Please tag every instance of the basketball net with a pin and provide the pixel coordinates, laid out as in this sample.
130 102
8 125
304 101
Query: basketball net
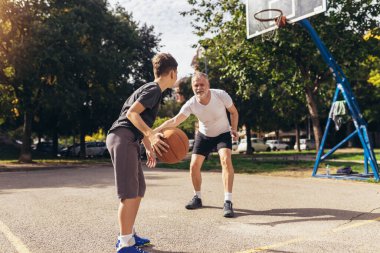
267 18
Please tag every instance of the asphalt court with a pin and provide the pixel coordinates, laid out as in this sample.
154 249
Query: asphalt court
74 210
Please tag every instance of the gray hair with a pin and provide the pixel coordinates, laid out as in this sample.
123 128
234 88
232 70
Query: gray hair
198 75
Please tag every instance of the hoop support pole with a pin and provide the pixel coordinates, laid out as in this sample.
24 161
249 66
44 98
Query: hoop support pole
344 87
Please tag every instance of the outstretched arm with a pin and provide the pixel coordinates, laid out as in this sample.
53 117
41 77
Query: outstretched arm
173 122
234 116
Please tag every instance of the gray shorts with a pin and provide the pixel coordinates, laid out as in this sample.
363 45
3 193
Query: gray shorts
124 149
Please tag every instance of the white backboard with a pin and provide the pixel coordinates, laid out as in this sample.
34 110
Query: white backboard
293 10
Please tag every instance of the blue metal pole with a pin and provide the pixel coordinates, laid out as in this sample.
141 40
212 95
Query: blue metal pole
339 145
320 151
345 88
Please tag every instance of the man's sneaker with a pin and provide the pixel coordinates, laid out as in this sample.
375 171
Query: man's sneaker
141 241
228 212
194 203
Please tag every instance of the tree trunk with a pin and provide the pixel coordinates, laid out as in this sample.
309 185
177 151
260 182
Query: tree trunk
277 133
313 110
248 136
350 143
82 143
84 121
55 141
26 154
298 137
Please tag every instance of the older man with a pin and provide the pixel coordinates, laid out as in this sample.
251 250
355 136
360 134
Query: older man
215 131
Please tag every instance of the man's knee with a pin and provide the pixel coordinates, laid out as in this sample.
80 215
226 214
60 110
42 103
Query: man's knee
226 163
195 168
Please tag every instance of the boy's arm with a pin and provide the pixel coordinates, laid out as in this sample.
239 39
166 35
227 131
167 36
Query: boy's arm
133 114
173 122
234 116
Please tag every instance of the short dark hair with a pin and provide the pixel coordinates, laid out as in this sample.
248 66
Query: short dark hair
163 63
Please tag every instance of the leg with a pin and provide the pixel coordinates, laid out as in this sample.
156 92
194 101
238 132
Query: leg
227 169
130 184
128 209
224 149
195 170
202 147
196 178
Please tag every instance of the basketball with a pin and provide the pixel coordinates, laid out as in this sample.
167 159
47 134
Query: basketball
178 145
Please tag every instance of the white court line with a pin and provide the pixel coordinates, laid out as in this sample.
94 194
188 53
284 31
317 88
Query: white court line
14 240
301 239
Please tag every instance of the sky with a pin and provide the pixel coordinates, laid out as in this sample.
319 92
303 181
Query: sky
176 31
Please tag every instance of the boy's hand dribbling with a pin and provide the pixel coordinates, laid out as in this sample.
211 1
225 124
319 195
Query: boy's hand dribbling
157 143
151 158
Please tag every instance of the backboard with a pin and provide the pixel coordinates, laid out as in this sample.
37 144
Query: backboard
293 10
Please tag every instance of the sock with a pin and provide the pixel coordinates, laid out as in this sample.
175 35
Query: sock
228 196
198 194
127 240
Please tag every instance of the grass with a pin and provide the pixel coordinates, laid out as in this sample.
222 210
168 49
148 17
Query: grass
252 165
282 163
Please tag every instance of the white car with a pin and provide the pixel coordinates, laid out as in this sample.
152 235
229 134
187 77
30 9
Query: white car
305 144
277 145
257 145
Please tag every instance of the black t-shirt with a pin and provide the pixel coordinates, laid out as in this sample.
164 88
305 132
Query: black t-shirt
149 95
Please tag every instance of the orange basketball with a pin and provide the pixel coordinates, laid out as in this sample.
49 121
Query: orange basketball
178 145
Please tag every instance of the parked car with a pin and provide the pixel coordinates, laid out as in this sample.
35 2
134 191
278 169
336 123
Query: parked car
44 147
93 149
68 151
191 144
305 144
257 145
277 145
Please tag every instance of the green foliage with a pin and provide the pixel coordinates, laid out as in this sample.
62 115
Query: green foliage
374 74
188 126
71 64
159 121
170 108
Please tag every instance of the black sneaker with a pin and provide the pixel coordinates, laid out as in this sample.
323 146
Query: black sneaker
228 212
194 203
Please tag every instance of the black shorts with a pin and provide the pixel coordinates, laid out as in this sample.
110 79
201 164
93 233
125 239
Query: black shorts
203 144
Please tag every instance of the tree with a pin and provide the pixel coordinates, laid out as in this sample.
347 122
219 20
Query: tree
23 30
71 63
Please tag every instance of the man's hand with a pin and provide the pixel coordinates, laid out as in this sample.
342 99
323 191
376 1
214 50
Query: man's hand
157 144
235 135
151 158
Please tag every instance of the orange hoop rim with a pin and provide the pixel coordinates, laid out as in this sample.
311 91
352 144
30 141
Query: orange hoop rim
277 17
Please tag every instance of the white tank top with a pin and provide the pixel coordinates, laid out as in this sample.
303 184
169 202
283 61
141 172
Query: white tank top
212 117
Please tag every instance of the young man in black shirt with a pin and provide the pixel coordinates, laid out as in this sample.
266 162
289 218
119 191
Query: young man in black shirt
123 142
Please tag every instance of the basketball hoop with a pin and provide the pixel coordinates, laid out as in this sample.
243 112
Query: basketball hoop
268 18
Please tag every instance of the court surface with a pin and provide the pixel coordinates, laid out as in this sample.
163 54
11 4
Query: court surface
74 210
